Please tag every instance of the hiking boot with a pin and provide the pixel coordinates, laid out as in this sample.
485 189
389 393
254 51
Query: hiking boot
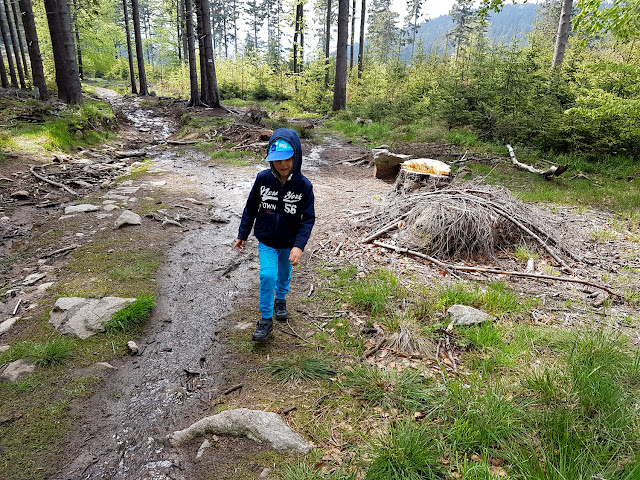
263 327
281 310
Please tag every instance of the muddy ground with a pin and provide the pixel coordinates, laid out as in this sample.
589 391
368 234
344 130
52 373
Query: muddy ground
204 290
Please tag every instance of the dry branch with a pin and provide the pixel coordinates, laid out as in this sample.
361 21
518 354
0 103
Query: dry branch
554 170
45 179
493 271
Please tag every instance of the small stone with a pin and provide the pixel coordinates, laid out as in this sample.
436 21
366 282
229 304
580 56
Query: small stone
33 279
110 208
82 208
20 195
133 347
206 444
265 472
4 348
7 324
106 365
127 218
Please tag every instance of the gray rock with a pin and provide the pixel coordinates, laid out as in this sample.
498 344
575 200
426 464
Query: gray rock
110 207
4 348
133 347
7 324
17 370
84 317
464 315
127 218
254 424
105 365
206 444
82 208
20 195
33 279
265 472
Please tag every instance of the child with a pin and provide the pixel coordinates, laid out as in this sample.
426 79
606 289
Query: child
281 204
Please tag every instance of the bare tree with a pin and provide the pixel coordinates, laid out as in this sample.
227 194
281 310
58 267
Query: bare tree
4 30
353 34
14 42
142 76
340 83
298 34
76 32
191 43
127 31
4 80
213 97
31 36
327 40
361 44
562 38
64 51
18 23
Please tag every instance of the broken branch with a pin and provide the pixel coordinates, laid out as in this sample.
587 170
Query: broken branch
45 179
554 170
495 271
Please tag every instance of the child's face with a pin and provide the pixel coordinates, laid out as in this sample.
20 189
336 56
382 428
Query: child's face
283 167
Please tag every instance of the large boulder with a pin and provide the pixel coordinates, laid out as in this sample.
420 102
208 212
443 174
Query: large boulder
255 424
84 317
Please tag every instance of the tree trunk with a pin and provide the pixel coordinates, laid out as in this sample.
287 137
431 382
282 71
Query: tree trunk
353 34
326 45
64 51
213 95
4 80
7 47
77 34
562 37
135 11
31 36
185 34
18 22
14 43
191 43
361 44
179 30
235 30
132 73
296 34
340 83
201 55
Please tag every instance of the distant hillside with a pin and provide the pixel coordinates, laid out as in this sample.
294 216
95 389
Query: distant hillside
513 21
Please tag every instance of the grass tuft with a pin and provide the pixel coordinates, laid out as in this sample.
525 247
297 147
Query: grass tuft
131 316
54 351
407 451
298 368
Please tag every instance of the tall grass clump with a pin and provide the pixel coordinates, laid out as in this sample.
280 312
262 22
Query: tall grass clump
407 451
297 368
375 292
54 351
375 387
131 316
304 472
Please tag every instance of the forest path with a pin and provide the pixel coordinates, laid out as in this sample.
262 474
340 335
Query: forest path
183 366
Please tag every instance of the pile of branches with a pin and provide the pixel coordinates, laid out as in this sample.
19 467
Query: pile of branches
459 222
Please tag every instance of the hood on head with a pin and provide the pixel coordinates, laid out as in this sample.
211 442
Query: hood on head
290 136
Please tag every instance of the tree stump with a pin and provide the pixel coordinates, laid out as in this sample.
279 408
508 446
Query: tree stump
407 181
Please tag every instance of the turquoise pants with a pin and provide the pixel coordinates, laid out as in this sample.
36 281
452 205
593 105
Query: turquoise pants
275 275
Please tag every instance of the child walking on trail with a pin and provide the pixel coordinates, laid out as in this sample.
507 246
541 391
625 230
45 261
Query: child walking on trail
281 205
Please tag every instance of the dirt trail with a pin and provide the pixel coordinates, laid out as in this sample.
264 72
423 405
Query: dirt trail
182 365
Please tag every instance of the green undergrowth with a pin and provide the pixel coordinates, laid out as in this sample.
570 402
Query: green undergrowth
529 401
32 128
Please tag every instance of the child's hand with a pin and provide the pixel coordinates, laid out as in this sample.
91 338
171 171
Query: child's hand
295 256
239 244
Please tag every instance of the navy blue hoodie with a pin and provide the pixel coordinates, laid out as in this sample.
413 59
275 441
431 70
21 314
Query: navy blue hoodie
283 214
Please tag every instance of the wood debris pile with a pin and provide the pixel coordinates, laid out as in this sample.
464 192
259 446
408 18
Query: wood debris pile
457 222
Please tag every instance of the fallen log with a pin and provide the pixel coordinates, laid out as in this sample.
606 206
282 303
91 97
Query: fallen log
554 170
45 179
494 271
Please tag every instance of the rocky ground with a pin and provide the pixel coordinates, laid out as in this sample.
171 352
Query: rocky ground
185 362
